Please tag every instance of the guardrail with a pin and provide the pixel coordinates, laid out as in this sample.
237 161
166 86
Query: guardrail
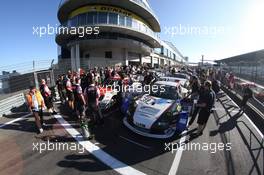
238 88
10 103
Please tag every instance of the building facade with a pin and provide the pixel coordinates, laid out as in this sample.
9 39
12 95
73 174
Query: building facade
122 32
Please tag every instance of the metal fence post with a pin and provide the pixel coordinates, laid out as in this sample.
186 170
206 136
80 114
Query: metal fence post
52 74
35 76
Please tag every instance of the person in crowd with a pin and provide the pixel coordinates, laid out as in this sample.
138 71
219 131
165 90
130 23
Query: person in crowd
196 99
92 95
231 81
79 100
247 94
46 94
69 92
60 88
173 71
102 75
195 87
69 74
107 74
206 103
36 105
89 77
97 78
84 83
119 93
130 81
216 86
113 73
203 78
226 79
148 78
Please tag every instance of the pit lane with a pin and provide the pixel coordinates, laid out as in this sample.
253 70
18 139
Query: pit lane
145 155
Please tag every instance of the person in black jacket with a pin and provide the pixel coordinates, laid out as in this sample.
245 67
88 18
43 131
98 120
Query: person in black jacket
216 86
61 88
79 100
92 95
248 93
206 103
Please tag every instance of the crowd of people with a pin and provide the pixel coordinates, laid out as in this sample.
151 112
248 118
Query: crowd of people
79 92
205 86
38 101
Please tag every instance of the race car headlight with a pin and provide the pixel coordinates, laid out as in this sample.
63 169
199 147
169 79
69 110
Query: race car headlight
160 125
163 122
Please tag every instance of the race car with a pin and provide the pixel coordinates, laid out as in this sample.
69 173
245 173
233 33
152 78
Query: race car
109 91
132 92
178 77
108 94
156 114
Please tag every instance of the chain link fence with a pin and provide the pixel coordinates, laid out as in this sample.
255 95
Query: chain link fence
16 79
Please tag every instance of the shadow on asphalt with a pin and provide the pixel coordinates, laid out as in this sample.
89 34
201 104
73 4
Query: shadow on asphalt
229 125
82 162
23 125
250 140
110 138
15 115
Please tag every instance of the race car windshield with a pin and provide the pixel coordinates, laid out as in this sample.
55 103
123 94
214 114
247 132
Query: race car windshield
180 76
166 92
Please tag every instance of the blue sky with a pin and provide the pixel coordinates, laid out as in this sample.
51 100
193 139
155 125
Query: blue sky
240 21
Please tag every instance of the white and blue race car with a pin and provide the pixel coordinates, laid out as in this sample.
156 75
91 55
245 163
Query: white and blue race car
156 114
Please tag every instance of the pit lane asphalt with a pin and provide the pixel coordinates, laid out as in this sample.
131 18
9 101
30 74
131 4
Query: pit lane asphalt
143 154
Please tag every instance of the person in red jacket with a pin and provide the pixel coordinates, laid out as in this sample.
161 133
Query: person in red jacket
46 94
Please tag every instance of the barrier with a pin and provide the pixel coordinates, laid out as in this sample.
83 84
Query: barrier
10 103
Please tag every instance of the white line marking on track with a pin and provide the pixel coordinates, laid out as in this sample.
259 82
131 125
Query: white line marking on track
229 110
57 102
15 120
74 124
138 144
107 159
250 121
178 155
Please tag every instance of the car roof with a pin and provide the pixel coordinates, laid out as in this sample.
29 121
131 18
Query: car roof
168 83
173 78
